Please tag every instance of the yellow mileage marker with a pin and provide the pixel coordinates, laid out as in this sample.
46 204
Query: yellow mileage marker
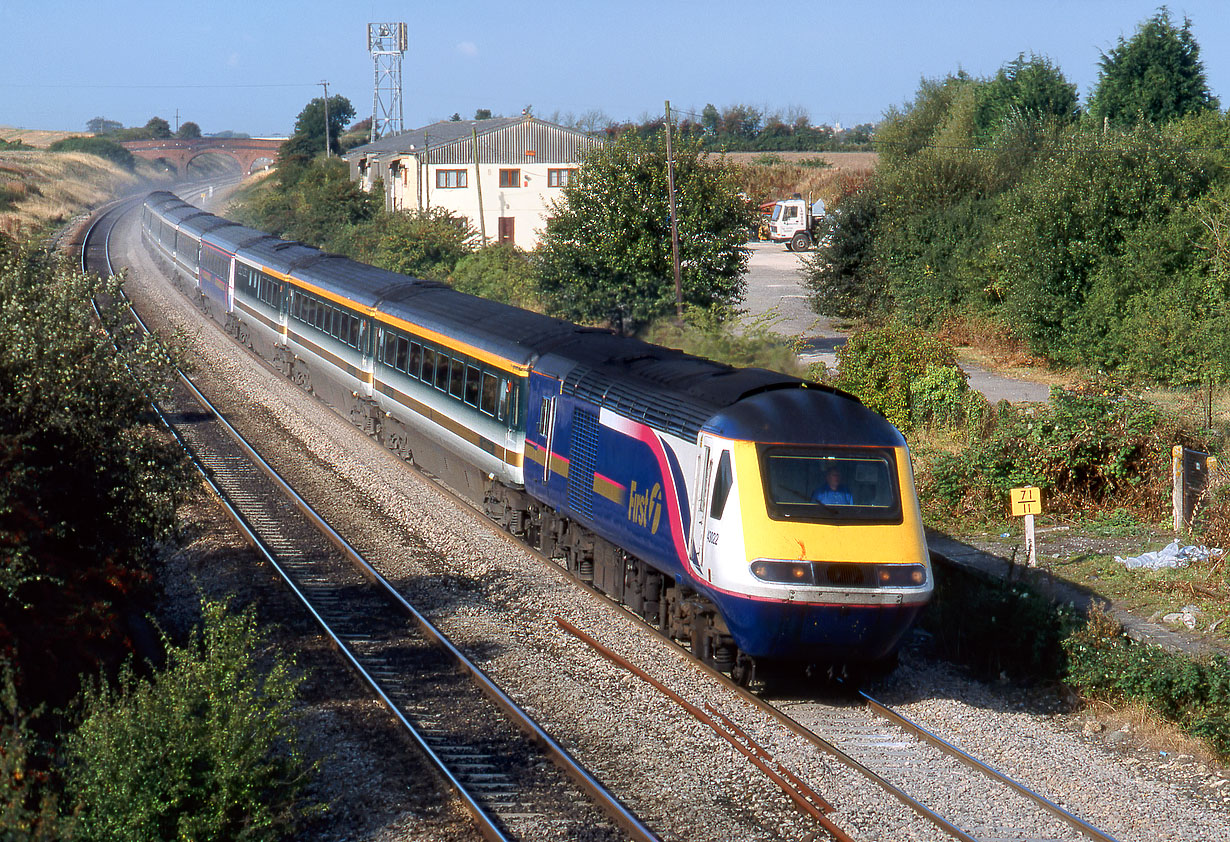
1027 502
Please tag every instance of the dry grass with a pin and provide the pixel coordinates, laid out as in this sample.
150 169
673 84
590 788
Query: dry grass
786 176
37 137
49 188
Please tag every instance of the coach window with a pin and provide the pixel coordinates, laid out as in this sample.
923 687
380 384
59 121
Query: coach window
416 360
356 332
442 366
429 365
456 386
491 393
472 385
403 351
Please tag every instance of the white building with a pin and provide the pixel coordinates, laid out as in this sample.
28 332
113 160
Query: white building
522 164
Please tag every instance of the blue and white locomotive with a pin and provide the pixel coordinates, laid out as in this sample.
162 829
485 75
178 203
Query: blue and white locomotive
761 517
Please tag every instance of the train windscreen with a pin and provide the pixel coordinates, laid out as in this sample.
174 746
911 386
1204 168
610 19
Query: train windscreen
831 485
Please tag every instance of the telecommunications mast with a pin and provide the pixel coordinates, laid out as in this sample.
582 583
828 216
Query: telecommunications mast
387 43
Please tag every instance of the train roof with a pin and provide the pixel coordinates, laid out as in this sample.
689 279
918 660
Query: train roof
663 387
666 388
811 415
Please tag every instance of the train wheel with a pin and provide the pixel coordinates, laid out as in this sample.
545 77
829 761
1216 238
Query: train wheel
744 670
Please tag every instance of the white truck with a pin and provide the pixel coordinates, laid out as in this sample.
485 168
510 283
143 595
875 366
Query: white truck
797 223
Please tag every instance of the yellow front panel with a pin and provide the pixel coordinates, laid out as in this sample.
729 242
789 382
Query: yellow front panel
796 540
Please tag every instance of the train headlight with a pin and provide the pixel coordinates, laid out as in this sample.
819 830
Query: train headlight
902 575
784 572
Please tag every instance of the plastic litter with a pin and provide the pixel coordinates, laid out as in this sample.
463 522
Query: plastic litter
1172 555
1187 616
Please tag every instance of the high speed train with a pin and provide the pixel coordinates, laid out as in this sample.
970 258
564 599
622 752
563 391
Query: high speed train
760 517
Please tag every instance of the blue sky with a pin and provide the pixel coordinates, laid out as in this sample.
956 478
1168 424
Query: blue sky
251 66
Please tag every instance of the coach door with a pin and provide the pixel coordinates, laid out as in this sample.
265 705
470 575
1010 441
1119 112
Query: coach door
546 432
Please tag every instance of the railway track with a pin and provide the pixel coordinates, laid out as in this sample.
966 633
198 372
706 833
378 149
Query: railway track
961 797
514 779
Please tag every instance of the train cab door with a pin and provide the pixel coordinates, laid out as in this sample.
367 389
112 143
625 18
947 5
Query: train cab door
699 506
715 479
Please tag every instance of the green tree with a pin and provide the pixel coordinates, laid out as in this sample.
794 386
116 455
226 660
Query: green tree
1033 90
189 131
316 204
501 272
158 128
482 113
308 140
425 244
205 748
606 253
1068 238
86 493
101 125
1156 76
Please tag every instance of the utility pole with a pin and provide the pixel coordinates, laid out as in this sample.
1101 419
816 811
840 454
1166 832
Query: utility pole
482 222
670 186
328 144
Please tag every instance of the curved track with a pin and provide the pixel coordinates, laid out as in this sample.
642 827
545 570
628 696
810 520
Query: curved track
483 744
961 796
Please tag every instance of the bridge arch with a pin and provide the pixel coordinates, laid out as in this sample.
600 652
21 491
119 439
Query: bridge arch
245 151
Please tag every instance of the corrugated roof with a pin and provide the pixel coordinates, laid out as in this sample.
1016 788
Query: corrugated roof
436 134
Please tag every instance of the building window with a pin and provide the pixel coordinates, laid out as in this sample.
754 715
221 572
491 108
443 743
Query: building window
450 178
559 178
510 178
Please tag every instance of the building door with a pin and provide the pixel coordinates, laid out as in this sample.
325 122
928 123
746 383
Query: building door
506 229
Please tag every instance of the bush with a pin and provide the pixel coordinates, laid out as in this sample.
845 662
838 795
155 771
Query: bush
100 146
942 398
86 493
204 749
1087 449
425 244
499 272
27 804
708 335
1106 665
999 627
879 364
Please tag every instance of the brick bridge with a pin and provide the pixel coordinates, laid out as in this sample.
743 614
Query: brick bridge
178 153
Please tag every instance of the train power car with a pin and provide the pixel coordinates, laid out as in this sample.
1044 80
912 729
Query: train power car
762 518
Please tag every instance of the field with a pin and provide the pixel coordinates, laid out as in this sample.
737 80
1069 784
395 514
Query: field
37 137
41 189
768 176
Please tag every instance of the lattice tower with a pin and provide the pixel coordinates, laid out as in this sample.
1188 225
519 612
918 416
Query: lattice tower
387 44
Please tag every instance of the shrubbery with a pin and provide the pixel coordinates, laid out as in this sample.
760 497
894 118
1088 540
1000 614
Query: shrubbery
1104 664
880 364
707 335
500 272
205 748
1086 449
100 146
